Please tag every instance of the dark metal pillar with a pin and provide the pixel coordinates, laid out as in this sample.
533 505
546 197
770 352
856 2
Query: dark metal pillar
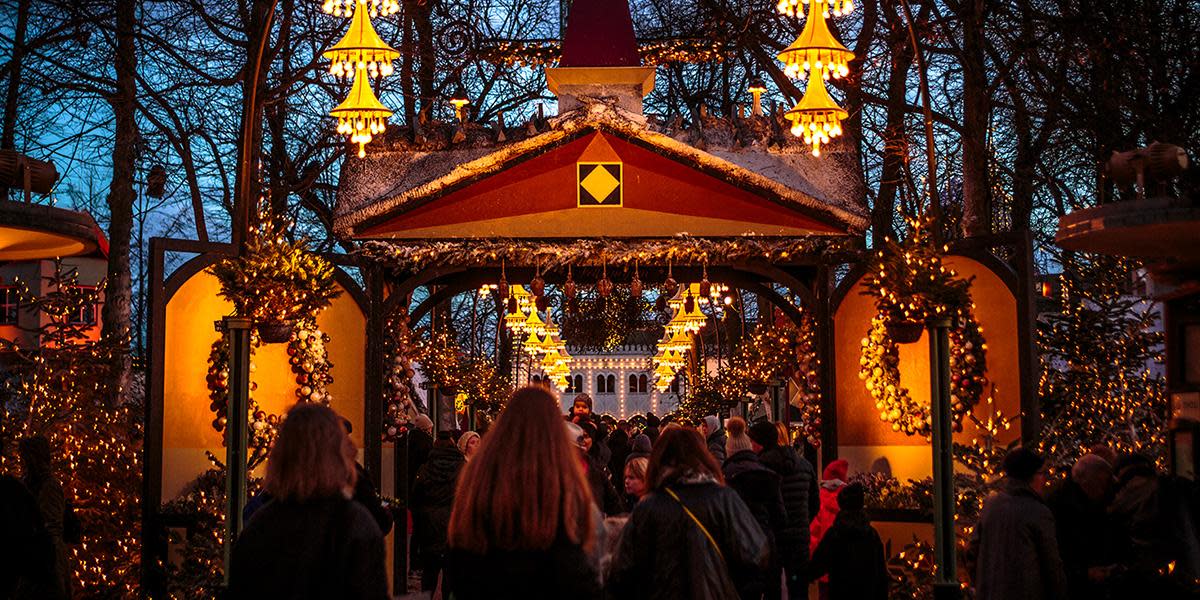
945 585
237 335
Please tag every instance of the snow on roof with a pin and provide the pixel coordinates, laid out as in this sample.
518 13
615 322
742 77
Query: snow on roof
747 152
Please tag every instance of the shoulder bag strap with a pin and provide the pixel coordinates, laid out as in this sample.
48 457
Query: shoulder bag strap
696 520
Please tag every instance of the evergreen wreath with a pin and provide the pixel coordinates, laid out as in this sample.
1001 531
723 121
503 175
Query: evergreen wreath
912 286
276 279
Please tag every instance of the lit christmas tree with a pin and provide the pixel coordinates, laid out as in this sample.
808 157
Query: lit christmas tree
62 389
1099 349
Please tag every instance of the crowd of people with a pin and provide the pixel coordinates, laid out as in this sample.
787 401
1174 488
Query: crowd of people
590 507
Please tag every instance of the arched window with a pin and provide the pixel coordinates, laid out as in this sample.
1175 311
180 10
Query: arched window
675 386
601 385
633 383
537 379
643 384
575 384
612 384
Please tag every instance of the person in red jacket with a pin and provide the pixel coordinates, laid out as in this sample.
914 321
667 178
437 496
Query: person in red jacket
833 479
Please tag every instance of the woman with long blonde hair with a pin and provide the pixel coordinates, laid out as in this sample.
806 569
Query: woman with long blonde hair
522 524
311 540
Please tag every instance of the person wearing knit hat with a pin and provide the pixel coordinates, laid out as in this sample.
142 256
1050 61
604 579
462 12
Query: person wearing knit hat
642 446
764 434
798 486
1016 541
758 487
714 436
467 443
851 552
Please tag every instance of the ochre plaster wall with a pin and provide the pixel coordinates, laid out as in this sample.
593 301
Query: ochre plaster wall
187 420
862 437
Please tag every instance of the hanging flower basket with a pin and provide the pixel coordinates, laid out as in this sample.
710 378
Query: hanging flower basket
905 332
275 332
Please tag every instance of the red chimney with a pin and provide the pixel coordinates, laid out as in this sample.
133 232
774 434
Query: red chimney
599 34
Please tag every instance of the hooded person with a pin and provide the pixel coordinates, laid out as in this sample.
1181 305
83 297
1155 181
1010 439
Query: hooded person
798 487
851 552
714 437
432 500
758 487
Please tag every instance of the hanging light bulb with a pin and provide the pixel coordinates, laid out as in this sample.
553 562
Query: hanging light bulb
460 100
361 47
361 116
817 118
346 8
816 49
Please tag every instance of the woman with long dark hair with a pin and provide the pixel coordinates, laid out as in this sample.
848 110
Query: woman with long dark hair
690 538
522 524
311 540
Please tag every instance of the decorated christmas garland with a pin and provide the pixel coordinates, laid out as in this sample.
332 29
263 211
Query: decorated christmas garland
401 409
309 360
681 249
913 288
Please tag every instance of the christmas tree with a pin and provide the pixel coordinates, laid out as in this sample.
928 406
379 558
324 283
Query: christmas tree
1100 349
62 389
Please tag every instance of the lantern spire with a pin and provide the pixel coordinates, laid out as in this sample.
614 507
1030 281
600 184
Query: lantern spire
361 115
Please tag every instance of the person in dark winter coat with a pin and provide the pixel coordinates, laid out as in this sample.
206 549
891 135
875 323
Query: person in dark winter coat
653 426
1015 544
527 533
618 446
691 538
851 553
420 442
758 487
43 484
310 540
27 556
607 498
798 486
641 447
714 437
432 499
1085 537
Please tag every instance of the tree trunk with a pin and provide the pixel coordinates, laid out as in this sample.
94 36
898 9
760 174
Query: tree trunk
895 138
422 20
8 139
976 115
117 291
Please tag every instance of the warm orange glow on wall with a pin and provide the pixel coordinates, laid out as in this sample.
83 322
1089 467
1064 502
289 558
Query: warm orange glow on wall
187 420
862 437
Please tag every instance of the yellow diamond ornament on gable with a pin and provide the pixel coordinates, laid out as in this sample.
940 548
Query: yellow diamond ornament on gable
599 183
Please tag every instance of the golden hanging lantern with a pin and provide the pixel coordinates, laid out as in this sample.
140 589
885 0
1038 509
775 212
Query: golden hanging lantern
361 116
361 47
816 49
345 8
680 342
550 361
817 118
533 344
534 323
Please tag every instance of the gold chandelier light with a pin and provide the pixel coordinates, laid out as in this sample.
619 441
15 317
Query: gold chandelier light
817 118
361 54
361 47
816 49
361 116
838 8
345 8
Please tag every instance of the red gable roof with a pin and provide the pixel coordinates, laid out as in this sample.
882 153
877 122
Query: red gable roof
599 34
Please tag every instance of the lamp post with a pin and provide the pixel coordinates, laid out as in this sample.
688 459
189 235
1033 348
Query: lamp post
945 586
